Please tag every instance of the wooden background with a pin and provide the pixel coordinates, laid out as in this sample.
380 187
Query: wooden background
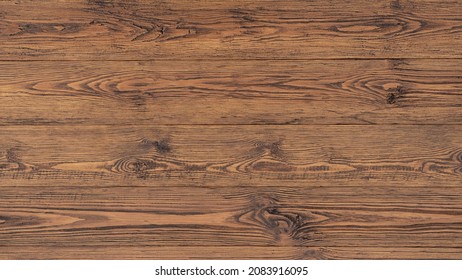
241 129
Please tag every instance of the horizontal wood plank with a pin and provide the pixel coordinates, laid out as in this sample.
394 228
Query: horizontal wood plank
316 222
224 252
294 29
241 92
229 155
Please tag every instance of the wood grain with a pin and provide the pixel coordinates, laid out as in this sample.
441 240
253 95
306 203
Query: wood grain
318 222
228 155
212 129
317 92
295 29
225 252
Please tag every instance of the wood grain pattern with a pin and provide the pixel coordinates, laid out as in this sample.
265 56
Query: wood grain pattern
306 220
317 92
295 29
231 155
225 252
213 129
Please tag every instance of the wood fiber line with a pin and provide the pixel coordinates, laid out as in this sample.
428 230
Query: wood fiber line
158 156
312 222
294 29
242 92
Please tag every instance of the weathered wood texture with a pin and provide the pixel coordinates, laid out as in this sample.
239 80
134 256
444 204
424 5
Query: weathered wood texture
253 155
237 129
295 29
392 91
323 222
225 252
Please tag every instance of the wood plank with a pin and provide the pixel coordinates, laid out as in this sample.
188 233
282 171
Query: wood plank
294 29
168 252
241 92
253 155
224 253
316 222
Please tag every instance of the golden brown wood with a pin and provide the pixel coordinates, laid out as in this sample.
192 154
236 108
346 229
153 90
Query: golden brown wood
306 220
295 29
225 252
213 129
393 91
253 155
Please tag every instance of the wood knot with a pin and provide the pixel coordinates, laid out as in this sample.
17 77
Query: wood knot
134 165
140 166
391 98
273 211
394 94
162 146
273 148
286 224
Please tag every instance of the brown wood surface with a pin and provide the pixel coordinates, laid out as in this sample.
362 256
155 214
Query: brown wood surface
244 155
395 91
302 220
267 29
212 129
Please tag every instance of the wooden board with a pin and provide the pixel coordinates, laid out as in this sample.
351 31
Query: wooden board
252 155
295 29
213 129
305 220
225 252
317 92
